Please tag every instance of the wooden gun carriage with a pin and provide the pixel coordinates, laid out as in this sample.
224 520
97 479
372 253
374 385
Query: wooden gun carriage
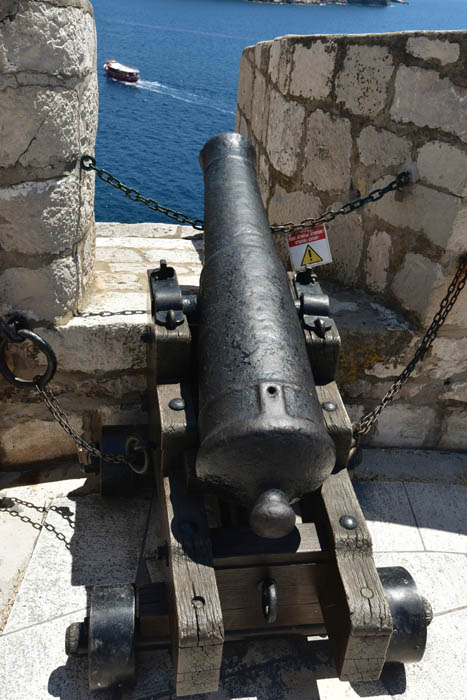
250 445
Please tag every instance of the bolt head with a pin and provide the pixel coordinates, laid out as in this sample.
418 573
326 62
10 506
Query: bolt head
348 522
177 404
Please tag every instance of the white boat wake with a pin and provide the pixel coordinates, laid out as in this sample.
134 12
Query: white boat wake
180 94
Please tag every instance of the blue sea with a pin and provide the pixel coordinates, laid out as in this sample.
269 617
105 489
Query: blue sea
188 53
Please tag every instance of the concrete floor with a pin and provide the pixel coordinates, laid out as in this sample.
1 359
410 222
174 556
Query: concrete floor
59 537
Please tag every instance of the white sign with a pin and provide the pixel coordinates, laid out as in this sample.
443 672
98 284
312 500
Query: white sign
309 247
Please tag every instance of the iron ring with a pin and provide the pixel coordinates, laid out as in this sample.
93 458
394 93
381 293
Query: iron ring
269 600
42 379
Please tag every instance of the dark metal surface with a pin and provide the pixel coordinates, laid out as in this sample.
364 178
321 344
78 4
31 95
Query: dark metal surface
166 297
40 380
271 515
411 614
269 600
348 522
116 478
260 422
314 304
111 636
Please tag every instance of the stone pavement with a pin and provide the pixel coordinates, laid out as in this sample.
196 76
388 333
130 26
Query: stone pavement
416 506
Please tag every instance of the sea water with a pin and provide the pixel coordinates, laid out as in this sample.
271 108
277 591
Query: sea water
188 53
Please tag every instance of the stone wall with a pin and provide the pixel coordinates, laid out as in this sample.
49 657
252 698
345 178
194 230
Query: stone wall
334 117
48 117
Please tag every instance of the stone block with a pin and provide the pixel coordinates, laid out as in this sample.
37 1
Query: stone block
48 293
418 96
86 258
422 209
443 165
414 283
327 153
345 237
377 261
441 50
292 206
34 439
44 218
412 465
88 113
453 430
313 70
405 425
448 358
280 59
285 128
61 40
382 148
39 127
245 85
362 84
260 108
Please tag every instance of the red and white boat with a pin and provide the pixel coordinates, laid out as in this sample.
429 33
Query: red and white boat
118 71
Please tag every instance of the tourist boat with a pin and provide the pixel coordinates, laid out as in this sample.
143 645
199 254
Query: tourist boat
118 71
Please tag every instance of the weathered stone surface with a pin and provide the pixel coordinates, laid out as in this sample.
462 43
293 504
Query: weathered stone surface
61 41
292 206
362 85
46 293
422 209
381 147
285 127
86 259
346 242
419 95
37 439
245 85
313 69
279 64
453 430
442 50
413 284
443 165
260 108
89 104
327 152
38 126
404 425
448 358
43 217
378 258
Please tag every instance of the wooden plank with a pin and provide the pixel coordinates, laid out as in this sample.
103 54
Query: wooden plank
337 422
197 629
355 610
178 431
297 590
241 547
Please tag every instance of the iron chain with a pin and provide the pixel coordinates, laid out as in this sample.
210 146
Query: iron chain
457 285
89 163
50 401
7 504
401 180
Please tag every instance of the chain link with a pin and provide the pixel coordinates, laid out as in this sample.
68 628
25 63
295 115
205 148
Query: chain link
89 163
457 285
400 181
8 502
51 402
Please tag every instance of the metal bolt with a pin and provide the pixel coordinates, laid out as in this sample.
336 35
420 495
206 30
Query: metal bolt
348 521
177 404
329 406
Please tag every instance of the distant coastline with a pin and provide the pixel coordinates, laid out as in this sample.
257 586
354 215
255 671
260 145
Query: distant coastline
384 3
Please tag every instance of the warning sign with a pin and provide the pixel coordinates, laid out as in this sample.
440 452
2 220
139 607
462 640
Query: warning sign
309 247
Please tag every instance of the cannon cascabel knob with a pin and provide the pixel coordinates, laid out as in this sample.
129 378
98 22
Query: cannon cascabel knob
272 516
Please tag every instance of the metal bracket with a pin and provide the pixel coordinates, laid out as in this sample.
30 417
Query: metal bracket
168 306
314 304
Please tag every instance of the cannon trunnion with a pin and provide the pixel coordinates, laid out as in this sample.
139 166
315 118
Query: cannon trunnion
250 447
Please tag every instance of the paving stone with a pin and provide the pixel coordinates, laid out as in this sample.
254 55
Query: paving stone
105 540
439 577
389 515
412 465
441 514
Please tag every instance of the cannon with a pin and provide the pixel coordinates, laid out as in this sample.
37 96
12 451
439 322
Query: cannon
250 444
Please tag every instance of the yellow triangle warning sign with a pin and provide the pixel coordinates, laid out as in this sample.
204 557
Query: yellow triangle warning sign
310 256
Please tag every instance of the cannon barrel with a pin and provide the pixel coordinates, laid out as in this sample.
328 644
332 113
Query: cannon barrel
263 442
